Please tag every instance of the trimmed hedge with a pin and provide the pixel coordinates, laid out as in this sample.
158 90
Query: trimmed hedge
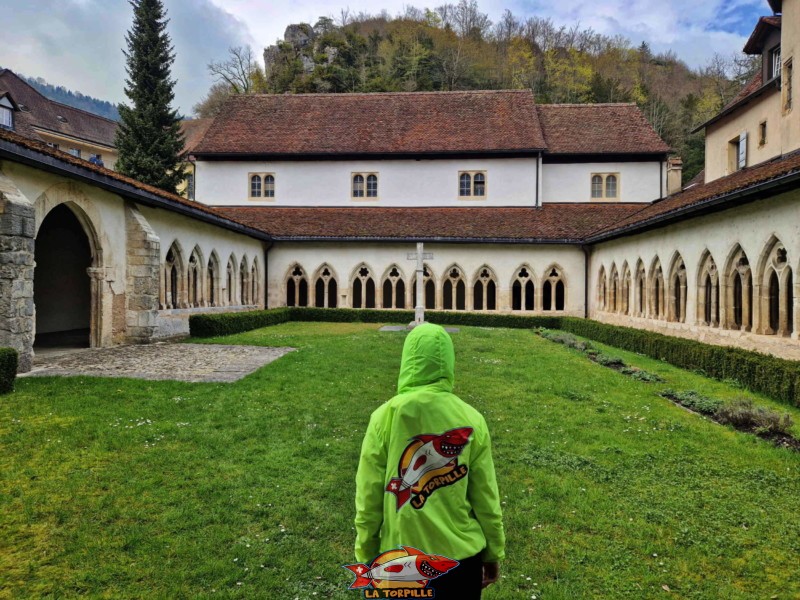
772 376
212 325
8 369
775 377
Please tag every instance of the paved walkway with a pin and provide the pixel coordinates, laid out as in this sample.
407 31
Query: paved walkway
160 361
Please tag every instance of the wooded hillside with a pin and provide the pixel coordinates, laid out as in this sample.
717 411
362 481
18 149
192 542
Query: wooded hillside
457 47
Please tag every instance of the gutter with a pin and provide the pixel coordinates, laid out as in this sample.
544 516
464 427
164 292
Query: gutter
51 164
431 240
731 200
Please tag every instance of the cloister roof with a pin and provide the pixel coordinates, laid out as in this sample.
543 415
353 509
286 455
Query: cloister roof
39 154
551 223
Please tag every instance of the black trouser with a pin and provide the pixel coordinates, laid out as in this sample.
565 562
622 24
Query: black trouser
462 583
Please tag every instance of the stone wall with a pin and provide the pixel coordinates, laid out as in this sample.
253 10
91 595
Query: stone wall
17 230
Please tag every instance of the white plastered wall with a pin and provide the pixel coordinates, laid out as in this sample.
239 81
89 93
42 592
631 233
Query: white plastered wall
503 260
509 182
637 181
753 226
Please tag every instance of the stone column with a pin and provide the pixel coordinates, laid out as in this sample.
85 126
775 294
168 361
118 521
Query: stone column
143 272
17 233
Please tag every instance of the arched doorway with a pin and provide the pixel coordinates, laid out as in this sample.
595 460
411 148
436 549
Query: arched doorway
61 284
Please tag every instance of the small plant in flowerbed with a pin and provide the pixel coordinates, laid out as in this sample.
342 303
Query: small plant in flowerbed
601 358
740 414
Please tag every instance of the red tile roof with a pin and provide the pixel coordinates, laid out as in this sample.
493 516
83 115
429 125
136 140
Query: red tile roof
193 131
56 117
381 123
598 129
752 90
98 173
553 222
755 44
703 195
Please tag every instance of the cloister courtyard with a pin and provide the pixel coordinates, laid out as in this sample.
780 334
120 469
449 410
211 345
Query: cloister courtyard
127 487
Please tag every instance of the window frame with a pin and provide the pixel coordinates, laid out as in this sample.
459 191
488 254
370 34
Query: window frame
472 195
264 191
365 191
786 85
604 187
6 123
774 64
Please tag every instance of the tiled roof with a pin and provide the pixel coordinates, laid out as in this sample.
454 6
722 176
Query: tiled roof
551 223
598 129
101 174
703 195
755 44
751 86
193 131
56 117
381 123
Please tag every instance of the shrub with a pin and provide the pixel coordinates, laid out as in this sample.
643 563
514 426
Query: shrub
607 360
641 375
8 369
772 376
211 325
694 401
743 415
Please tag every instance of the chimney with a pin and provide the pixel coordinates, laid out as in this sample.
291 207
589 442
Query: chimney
674 173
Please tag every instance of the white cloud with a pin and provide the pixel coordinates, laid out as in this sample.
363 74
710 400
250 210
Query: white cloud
78 43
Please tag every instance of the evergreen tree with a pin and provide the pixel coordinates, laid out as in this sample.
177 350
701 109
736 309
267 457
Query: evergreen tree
149 140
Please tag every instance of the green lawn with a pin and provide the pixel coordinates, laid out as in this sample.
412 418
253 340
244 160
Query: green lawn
122 488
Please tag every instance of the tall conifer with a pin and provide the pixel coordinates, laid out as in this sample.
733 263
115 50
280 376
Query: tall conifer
149 139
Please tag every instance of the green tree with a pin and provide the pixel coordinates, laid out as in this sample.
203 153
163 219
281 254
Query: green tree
149 140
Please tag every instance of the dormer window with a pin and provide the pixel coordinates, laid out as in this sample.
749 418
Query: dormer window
6 117
774 63
6 113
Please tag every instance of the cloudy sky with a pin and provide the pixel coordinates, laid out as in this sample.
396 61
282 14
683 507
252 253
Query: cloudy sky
78 43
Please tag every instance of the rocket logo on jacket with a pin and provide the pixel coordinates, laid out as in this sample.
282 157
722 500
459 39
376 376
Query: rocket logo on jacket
428 463
405 568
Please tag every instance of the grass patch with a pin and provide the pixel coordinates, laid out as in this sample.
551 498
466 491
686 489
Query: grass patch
123 488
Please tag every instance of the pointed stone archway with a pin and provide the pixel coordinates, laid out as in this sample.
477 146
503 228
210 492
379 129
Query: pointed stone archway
68 280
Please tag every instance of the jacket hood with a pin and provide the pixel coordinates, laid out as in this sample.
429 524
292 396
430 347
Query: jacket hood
428 358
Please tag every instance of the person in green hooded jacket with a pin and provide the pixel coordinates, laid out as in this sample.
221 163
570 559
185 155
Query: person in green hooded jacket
426 479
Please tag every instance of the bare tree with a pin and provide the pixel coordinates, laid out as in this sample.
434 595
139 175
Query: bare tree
211 105
237 71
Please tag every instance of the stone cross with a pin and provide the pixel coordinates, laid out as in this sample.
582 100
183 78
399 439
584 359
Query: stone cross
419 256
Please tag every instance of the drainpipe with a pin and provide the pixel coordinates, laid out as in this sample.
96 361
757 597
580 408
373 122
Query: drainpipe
586 251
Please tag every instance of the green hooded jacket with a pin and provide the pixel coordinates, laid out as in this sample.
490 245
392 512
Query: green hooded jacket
426 477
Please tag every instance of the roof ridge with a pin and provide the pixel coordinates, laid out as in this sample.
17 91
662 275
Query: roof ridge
352 94
24 81
584 104
86 112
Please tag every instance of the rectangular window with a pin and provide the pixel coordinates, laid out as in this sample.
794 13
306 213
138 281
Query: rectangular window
472 184
788 76
190 186
605 186
76 152
52 145
762 133
774 62
6 117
